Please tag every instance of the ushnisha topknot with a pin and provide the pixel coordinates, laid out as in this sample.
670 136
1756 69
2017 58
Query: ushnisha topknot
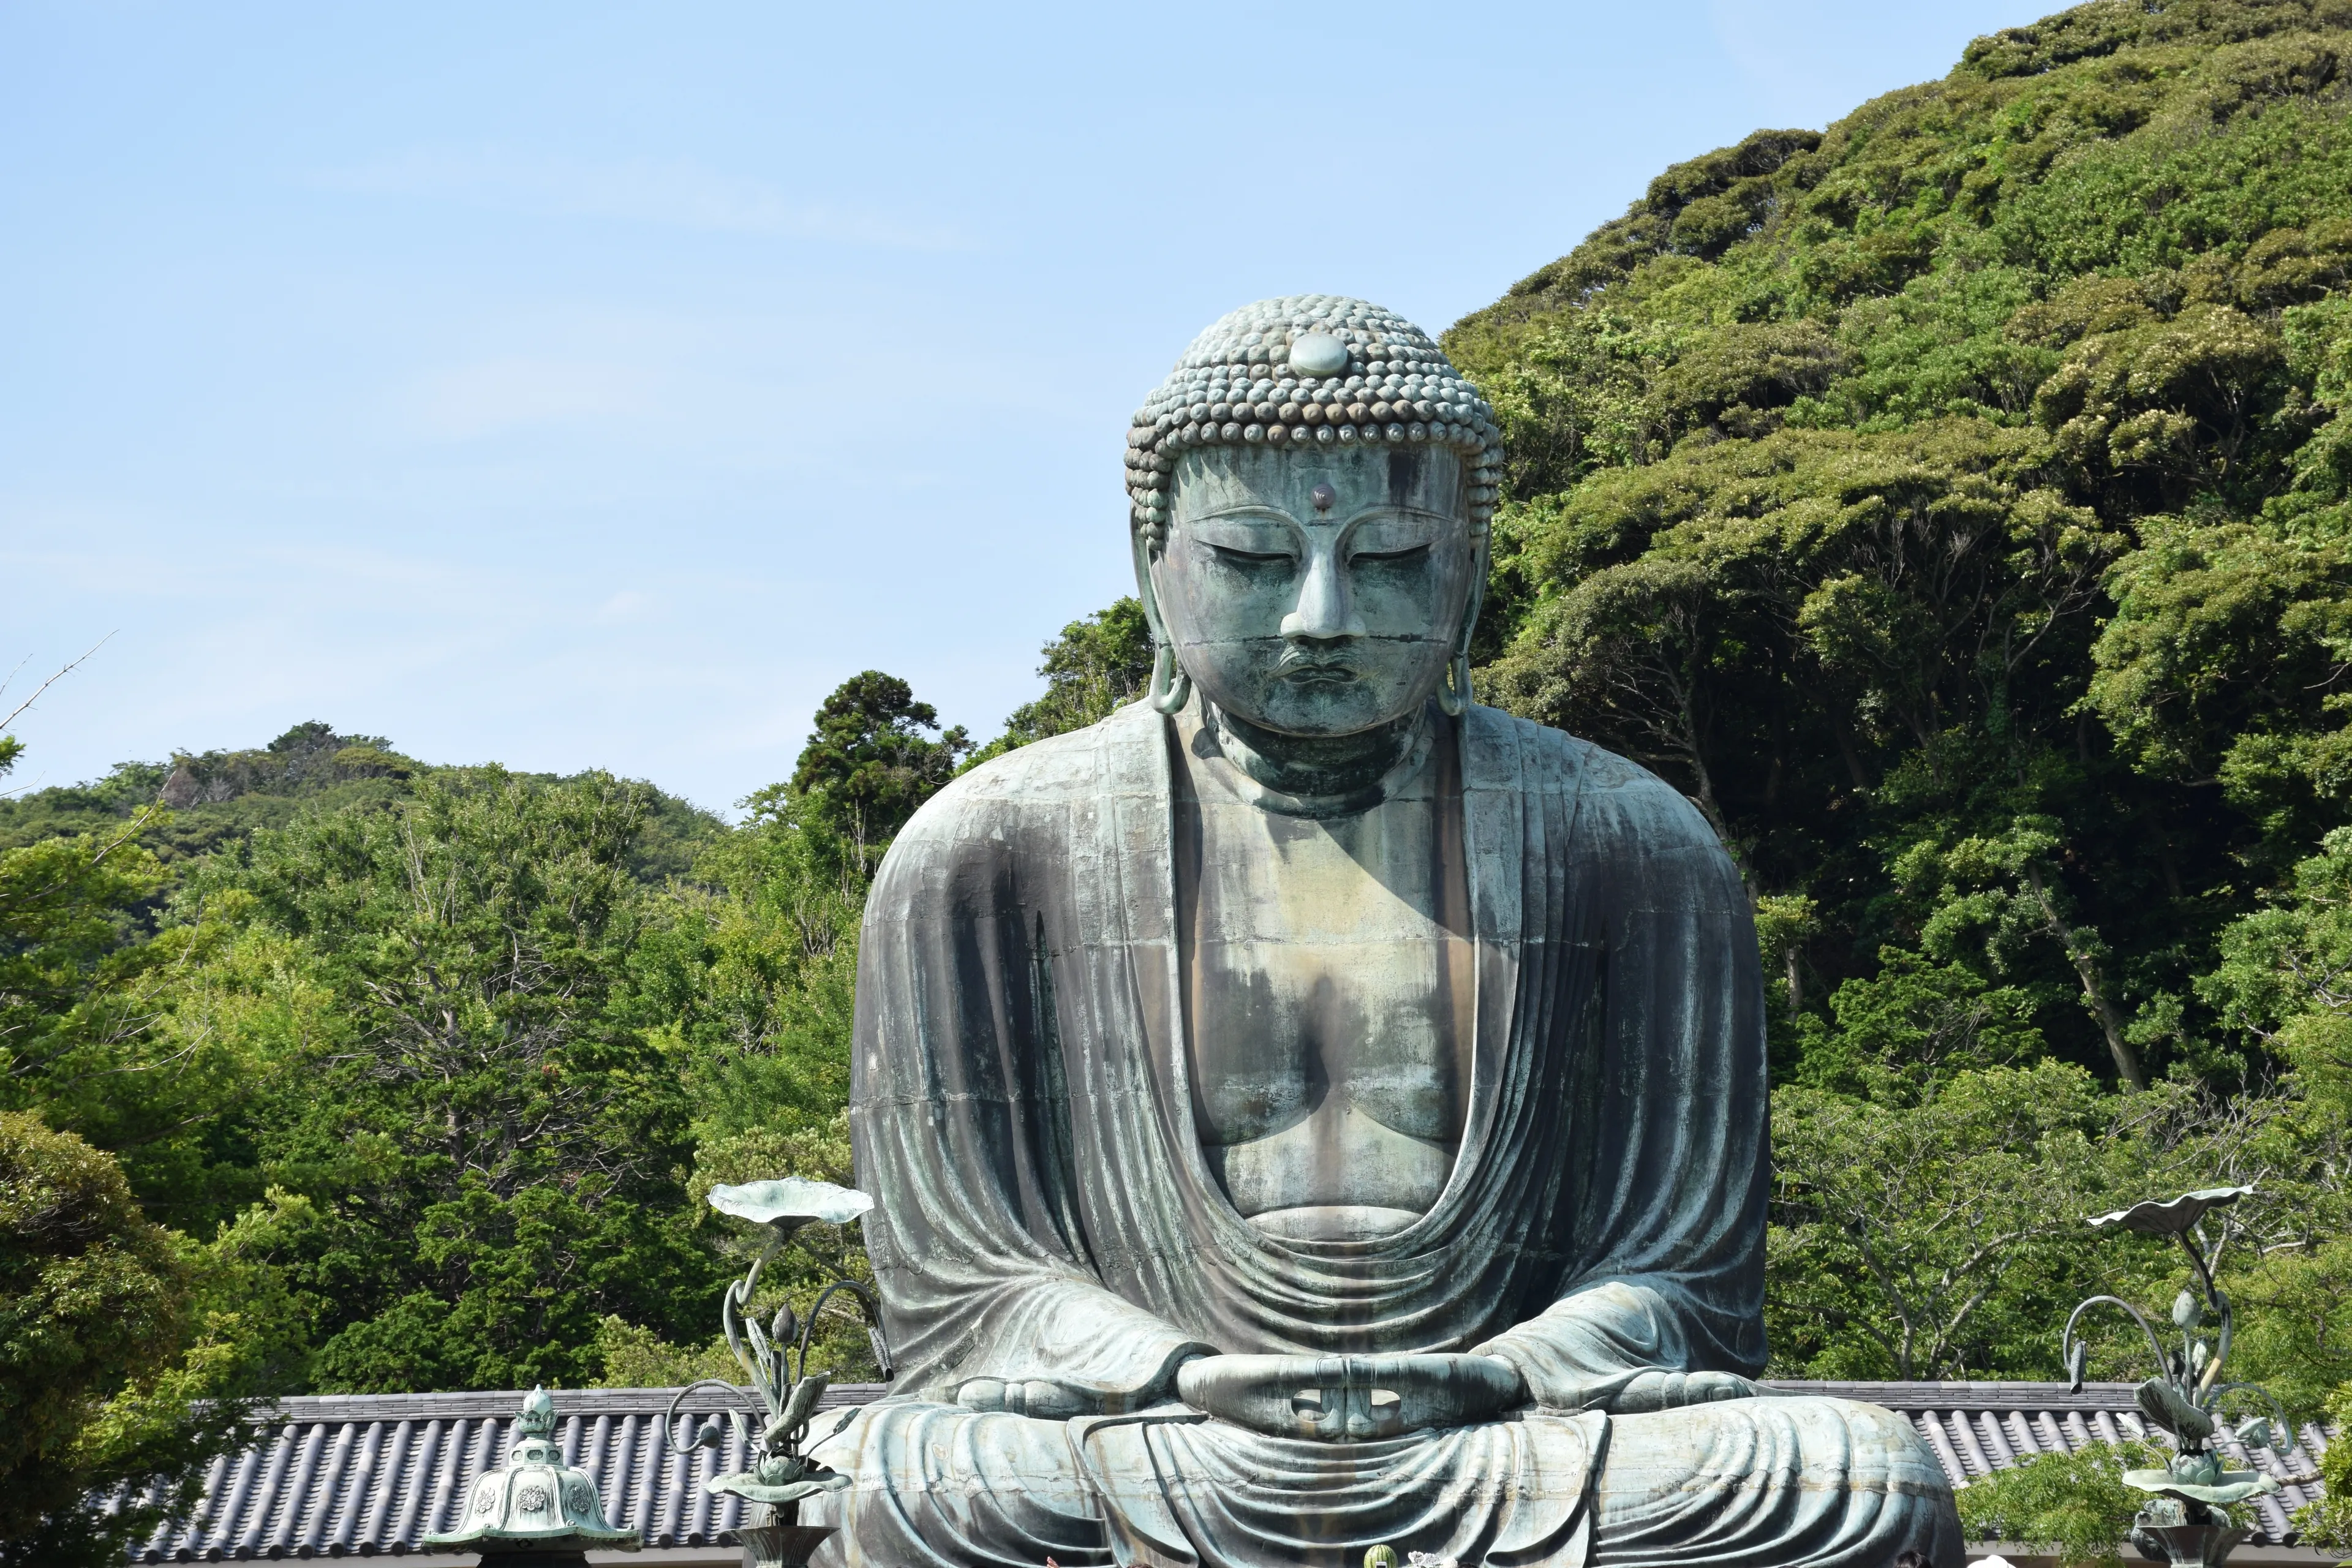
1310 370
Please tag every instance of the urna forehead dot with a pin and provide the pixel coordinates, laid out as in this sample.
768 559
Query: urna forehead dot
1318 353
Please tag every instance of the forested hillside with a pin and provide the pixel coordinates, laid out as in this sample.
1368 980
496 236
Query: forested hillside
1957 504
323 1068
1954 505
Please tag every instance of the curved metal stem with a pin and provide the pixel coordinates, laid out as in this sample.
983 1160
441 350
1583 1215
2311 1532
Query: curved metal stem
733 1319
669 1420
2220 1304
872 1309
2066 1341
2282 1426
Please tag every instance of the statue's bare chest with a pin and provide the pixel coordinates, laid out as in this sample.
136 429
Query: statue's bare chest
1329 996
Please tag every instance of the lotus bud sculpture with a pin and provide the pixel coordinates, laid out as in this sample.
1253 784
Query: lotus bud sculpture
2188 1521
782 1473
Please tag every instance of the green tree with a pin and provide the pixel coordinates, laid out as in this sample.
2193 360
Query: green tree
752 972
1096 665
2075 1503
129 1354
490 1138
1941 1236
1954 505
869 765
119 1380
2282 979
2327 1525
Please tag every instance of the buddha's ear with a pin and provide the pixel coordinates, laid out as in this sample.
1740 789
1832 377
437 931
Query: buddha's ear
1482 547
1171 687
1150 543
1454 693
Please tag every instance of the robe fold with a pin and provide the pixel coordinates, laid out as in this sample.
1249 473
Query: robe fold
1021 1114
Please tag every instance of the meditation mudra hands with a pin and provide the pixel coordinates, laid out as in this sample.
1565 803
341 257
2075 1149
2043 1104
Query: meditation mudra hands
1354 1399
1345 1399
1349 1399
1339 1399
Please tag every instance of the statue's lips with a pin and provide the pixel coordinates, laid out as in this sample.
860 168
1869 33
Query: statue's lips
1319 674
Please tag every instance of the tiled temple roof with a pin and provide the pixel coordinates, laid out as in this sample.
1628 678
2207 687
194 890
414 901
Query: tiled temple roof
368 1474
1977 1428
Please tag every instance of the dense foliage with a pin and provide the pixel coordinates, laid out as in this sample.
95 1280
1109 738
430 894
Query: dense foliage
129 1354
2075 1505
321 1068
869 765
1953 504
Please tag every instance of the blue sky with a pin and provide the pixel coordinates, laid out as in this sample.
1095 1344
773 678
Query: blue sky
580 385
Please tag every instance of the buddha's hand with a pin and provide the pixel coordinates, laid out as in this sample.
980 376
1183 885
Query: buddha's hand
1046 1401
1349 1399
1652 1391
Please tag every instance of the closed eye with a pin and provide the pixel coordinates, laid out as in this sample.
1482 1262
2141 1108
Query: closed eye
1226 552
1411 553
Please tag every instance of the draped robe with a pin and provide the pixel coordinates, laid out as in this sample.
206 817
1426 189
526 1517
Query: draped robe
1022 1112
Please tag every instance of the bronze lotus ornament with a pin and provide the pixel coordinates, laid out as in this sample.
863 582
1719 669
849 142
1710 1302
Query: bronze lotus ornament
775 1359
2188 1519
2170 1216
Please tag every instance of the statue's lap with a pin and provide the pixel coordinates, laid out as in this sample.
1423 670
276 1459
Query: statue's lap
1823 1483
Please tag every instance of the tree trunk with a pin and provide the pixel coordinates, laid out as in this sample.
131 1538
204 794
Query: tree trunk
2086 969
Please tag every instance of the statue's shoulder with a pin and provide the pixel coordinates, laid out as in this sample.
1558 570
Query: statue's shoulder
1035 785
1612 795
1065 766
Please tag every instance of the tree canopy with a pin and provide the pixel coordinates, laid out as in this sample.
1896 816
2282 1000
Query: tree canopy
1953 504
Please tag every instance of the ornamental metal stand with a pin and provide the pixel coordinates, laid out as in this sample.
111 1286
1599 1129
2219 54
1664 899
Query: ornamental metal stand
2186 1521
534 1510
782 1475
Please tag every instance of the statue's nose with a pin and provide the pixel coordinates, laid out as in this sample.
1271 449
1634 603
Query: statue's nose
1325 611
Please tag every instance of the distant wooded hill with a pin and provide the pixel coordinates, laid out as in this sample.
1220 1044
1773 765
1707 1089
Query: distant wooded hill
221 797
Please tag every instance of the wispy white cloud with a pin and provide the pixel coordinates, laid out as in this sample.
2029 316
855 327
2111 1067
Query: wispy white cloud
676 193
623 607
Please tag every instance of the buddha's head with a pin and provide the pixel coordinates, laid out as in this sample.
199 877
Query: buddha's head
1311 488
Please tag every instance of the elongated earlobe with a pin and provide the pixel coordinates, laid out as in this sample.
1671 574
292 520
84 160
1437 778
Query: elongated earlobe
1454 692
1171 687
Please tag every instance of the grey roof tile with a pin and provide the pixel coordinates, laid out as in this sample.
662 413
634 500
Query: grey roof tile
369 1475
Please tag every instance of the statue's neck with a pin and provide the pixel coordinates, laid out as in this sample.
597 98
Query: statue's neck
1318 768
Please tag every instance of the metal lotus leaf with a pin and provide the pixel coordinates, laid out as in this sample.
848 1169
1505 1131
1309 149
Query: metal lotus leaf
776 1480
2170 1216
2200 1477
2161 1402
790 1203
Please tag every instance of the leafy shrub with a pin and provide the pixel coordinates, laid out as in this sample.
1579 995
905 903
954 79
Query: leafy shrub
2076 1504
